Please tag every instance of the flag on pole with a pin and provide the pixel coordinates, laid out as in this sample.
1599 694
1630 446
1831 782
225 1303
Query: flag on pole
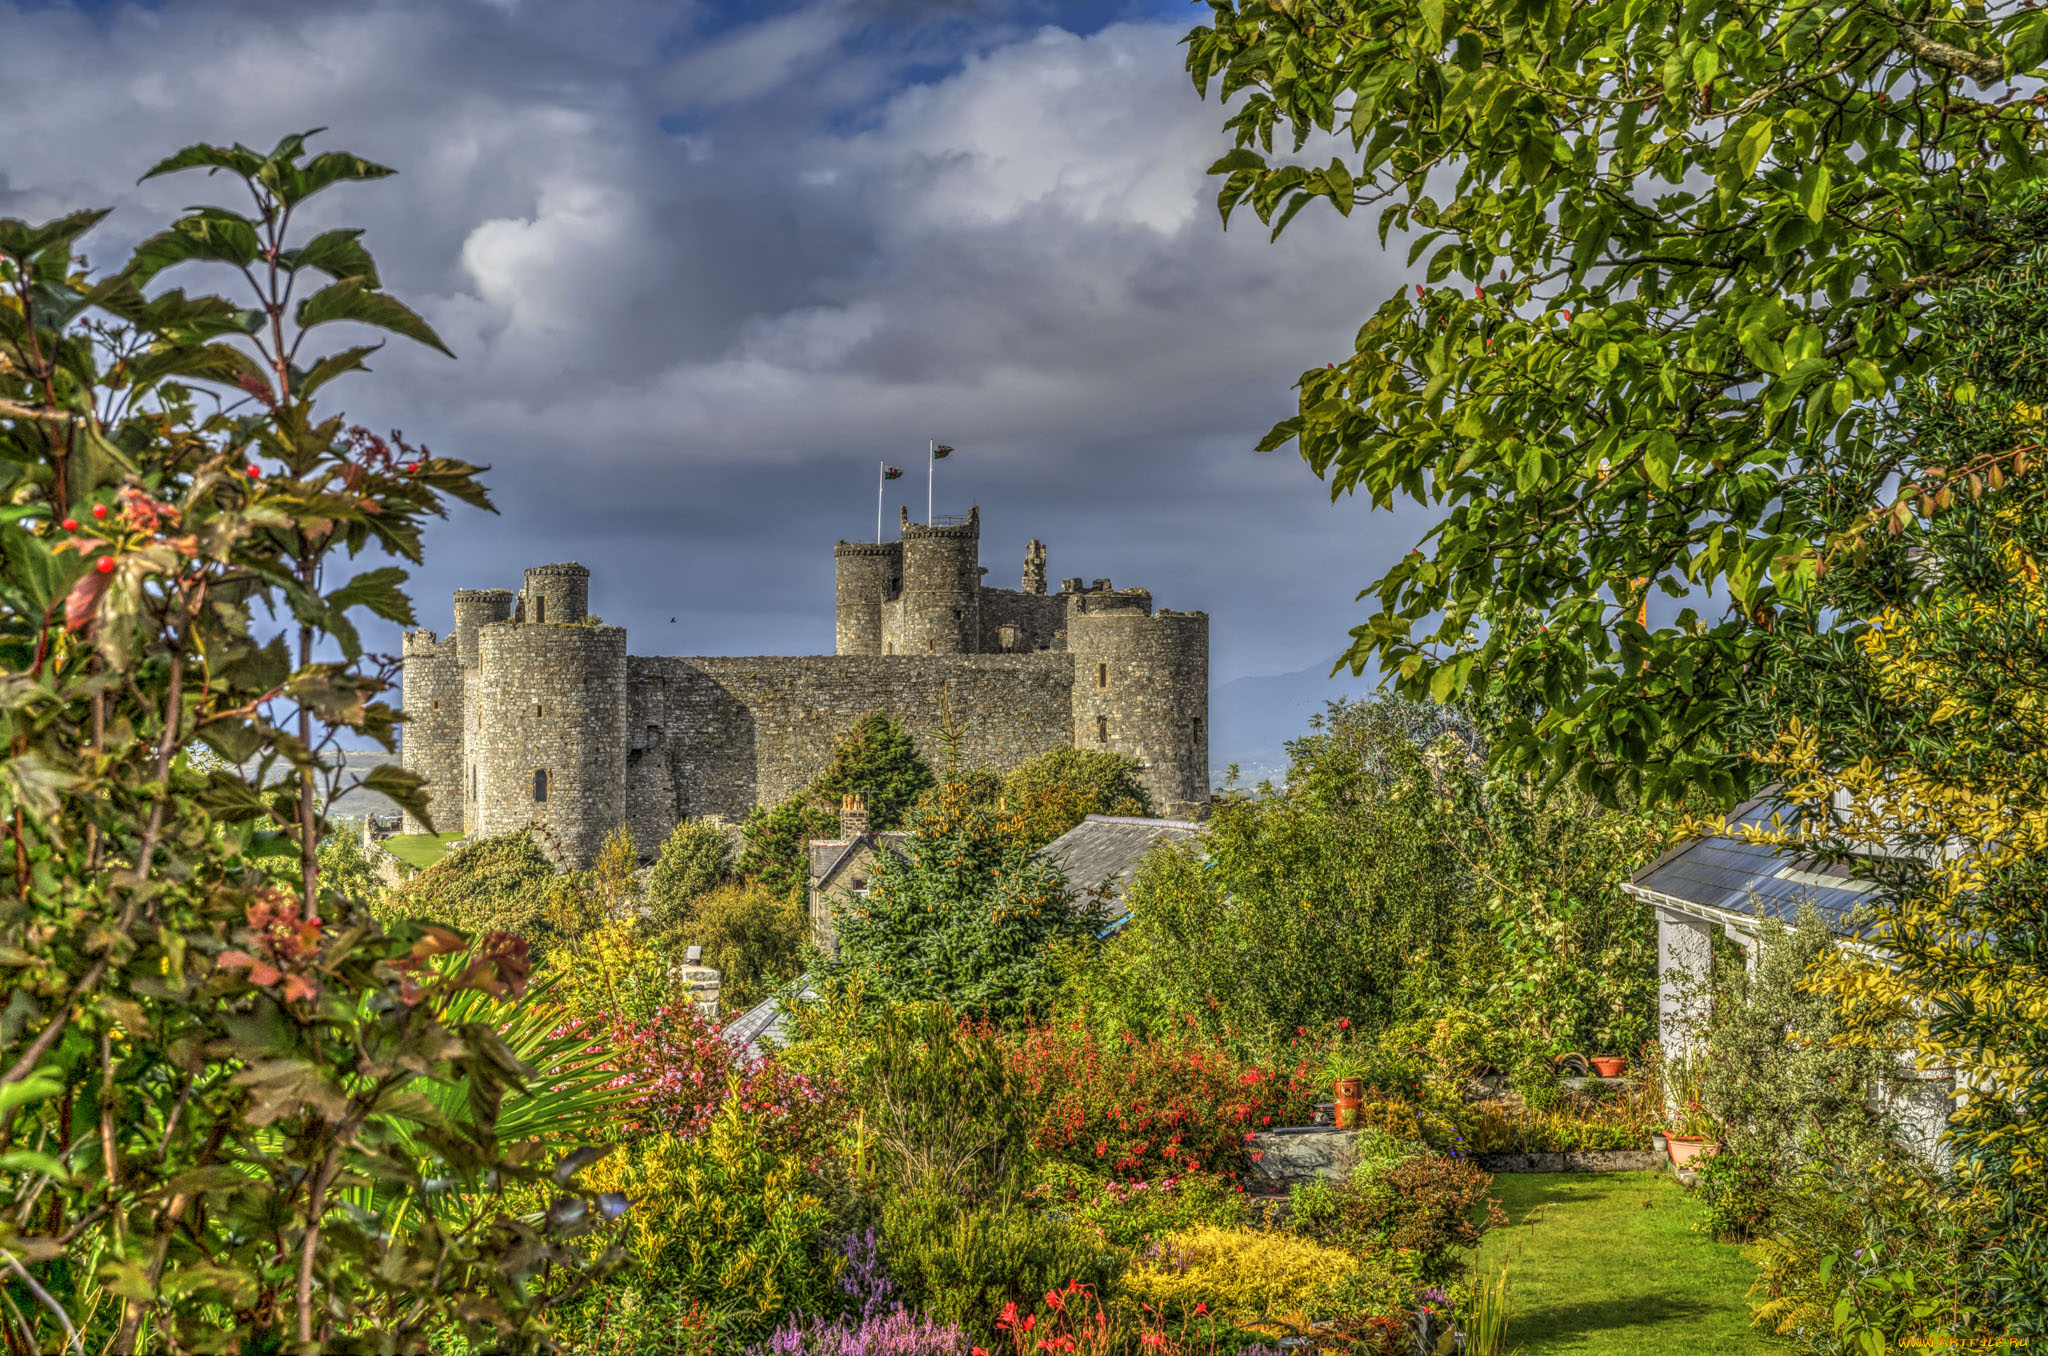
940 451
892 472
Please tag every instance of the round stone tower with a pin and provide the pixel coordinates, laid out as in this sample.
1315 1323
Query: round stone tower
866 573
941 598
556 593
550 751
431 739
476 608
1141 687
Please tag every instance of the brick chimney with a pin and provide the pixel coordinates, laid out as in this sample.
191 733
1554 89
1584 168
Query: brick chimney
853 816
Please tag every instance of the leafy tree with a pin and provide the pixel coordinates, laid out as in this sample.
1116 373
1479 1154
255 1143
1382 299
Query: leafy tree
1061 787
500 884
198 1068
967 915
1929 774
615 875
878 760
696 857
1695 245
775 844
752 936
345 868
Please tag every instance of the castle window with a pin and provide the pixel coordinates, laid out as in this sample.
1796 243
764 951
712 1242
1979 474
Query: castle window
540 708
540 612
956 614
1198 729
540 783
1102 729
472 781
437 706
931 643
1102 675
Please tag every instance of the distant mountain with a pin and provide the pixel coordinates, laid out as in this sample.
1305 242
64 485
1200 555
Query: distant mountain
1253 718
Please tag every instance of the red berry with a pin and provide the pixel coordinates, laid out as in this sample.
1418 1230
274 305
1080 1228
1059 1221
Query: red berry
1479 292
99 510
71 524
412 467
255 471
106 565
1567 317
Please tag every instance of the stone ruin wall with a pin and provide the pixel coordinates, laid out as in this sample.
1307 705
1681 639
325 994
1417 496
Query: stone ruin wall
721 735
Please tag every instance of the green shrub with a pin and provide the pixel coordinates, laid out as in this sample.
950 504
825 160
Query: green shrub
503 883
946 1113
694 860
345 869
720 1227
775 844
1060 787
1136 1214
878 761
1737 1186
967 915
961 1263
1431 1206
1536 1082
752 937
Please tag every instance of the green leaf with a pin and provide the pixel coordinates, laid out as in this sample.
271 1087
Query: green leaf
1431 12
339 254
330 367
1813 191
19 240
378 591
209 234
350 299
1750 145
238 158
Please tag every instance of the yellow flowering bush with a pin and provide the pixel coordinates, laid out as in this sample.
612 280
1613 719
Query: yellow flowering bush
1243 1276
719 1227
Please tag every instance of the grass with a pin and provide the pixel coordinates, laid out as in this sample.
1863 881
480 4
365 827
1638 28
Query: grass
420 850
1609 1265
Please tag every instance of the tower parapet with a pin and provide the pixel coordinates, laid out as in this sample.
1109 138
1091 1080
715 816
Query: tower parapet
865 576
431 740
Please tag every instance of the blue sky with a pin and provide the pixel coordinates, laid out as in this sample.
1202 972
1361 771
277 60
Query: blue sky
704 265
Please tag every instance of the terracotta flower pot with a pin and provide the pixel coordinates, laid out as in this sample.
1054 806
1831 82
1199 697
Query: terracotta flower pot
1350 1097
1686 1150
1609 1066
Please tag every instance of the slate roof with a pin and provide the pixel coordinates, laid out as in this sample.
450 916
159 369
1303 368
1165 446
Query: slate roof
1757 879
763 1026
1102 852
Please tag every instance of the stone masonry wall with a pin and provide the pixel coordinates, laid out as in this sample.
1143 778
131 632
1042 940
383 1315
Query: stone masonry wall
432 735
1040 620
553 700
718 736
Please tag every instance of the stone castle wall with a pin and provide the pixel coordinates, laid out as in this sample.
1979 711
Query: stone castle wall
528 684
719 736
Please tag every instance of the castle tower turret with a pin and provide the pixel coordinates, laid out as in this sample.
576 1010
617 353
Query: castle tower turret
550 750
865 574
430 745
475 608
1141 687
1034 567
556 593
941 597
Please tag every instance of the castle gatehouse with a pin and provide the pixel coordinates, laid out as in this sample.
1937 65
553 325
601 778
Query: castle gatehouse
532 715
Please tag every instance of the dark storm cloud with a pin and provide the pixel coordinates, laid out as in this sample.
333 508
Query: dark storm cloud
704 268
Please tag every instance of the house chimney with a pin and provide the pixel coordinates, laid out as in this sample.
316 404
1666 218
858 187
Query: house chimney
853 816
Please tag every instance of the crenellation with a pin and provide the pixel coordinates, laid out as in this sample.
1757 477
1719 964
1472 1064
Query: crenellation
532 685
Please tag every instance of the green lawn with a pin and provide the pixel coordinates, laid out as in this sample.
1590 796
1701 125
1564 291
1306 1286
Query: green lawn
420 850
1608 1263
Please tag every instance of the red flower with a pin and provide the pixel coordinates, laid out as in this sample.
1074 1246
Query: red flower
1343 1023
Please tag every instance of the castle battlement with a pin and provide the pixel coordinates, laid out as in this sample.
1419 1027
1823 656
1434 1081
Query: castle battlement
532 714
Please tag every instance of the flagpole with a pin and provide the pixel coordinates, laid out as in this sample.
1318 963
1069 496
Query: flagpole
931 469
881 474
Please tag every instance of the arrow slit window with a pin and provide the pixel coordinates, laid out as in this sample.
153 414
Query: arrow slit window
540 784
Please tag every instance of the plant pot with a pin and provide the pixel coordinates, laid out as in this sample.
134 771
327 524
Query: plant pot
1659 1143
1350 1097
1609 1066
1686 1150
1325 1113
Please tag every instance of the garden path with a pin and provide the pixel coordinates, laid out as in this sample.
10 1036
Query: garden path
1609 1265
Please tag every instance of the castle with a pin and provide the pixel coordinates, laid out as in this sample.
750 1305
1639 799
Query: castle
531 715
